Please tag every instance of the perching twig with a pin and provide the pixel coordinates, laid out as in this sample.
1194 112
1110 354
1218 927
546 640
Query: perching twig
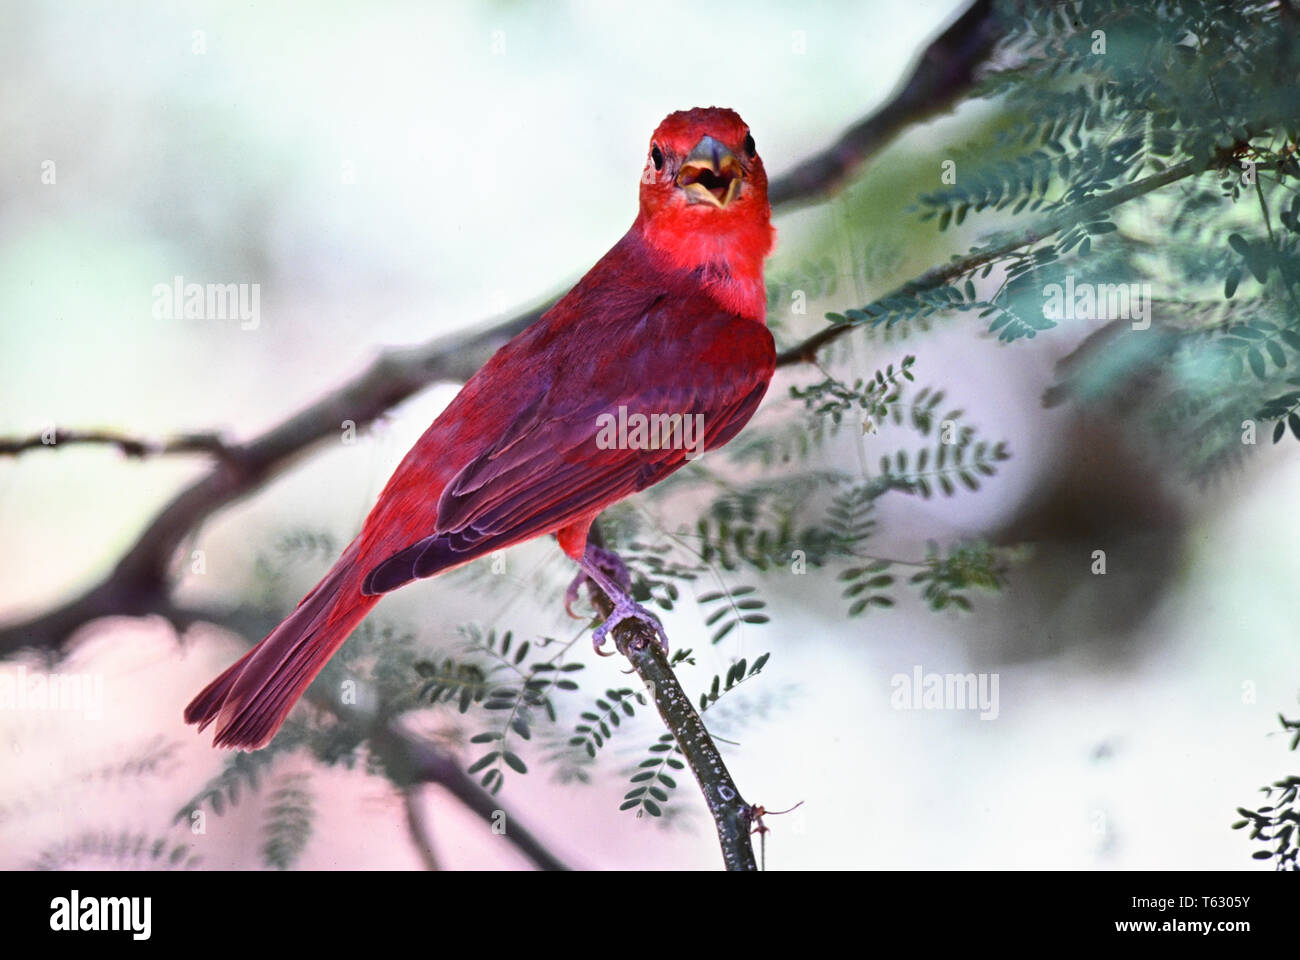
731 814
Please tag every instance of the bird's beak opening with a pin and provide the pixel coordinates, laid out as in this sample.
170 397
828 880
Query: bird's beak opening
711 174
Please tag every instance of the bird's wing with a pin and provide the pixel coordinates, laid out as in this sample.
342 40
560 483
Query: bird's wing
546 468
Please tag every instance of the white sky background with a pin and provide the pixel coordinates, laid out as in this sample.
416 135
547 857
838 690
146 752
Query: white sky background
483 180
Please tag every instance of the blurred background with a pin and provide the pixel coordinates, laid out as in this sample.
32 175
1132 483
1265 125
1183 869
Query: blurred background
387 173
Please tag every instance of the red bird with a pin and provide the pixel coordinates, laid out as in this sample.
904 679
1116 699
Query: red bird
669 322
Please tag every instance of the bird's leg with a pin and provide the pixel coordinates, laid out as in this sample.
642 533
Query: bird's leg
606 570
609 562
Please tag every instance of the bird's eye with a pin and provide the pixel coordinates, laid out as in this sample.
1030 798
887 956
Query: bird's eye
750 148
656 156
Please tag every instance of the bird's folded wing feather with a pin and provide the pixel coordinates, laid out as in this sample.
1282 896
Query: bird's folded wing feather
546 469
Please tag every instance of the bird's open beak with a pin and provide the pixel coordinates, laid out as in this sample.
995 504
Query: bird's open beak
711 174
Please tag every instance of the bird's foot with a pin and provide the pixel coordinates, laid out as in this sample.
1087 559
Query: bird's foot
607 571
625 608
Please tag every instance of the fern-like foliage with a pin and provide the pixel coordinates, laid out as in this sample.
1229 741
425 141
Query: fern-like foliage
1276 825
651 782
599 723
241 774
1113 100
510 687
290 811
117 850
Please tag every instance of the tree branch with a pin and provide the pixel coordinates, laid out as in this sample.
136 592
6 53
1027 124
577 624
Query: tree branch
417 825
414 759
131 446
943 73
637 641
731 814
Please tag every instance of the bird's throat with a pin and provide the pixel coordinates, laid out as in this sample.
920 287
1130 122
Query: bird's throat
728 261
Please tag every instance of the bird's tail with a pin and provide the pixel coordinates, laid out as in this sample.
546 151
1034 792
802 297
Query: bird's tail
251 699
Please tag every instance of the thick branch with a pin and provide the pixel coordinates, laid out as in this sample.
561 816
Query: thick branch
139 583
943 73
941 76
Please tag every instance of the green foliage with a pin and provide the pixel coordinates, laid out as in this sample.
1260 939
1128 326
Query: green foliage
651 782
950 463
121 850
864 586
942 581
732 608
763 525
786 521
945 580
241 773
1114 100
737 673
502 682
831 398
813 278
306 546
597 727
657 575
289 814
382 652
153 758
848 518
1274 824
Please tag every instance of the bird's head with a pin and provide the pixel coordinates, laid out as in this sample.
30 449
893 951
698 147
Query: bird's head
704 201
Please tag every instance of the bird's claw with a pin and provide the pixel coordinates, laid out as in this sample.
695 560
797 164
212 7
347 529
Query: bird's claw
571 594
625 608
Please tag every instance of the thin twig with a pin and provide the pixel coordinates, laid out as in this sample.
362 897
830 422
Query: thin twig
731 814
130 446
